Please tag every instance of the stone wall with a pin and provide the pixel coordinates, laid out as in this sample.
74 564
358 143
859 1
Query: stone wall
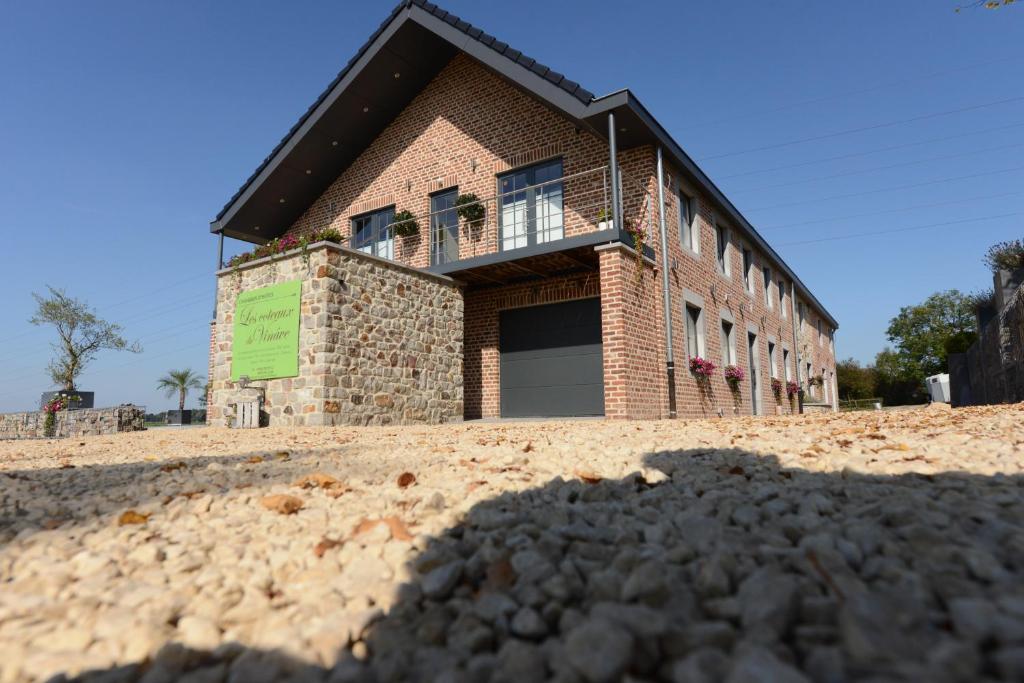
88 422
379 342
992 370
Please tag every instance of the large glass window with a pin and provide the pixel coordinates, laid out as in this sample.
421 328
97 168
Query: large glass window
782 299
531 205
748 270
372 233
785 365
444 227
767 272
771 359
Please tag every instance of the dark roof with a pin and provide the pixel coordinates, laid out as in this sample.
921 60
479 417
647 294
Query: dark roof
418 38
504 49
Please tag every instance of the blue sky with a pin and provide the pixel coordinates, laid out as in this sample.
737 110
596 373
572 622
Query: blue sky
125 126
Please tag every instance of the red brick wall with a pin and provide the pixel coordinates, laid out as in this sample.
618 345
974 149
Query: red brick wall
463 129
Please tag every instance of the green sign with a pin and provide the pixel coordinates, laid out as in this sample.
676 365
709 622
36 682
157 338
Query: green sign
266 332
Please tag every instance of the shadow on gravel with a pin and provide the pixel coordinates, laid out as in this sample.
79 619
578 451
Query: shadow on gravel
707 566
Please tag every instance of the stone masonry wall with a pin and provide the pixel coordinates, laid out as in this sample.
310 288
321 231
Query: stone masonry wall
92 421
379 343
994 370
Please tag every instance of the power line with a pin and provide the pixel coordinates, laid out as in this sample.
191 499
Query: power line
881 168
826 98
871 151
888 189
861 129
896 230
929 205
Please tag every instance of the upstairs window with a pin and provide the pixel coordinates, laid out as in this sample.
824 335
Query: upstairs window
694 331
722 249
771 359
782 299
748 270
689 233
821 336
767 272
728 344
372 233
785 366
531 205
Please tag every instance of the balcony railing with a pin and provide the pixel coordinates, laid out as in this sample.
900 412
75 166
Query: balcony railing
524 217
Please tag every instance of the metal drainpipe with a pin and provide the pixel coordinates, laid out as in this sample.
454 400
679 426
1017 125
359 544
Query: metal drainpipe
670 364
796 341
220 264
613 171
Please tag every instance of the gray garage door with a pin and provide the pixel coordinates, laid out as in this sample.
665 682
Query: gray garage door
551 360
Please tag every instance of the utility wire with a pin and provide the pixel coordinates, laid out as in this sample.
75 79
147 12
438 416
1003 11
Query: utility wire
861 129
836 96
930 205
904 164
888 189
896 230
852 155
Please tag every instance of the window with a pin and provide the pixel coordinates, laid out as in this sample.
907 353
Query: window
372 233
722 249
820 335
531 205
771 359
689 232
444 227
782 299
800 315
694 331
748 271
767 272
785 365
728 344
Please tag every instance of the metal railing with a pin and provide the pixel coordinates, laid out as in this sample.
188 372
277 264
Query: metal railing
545 212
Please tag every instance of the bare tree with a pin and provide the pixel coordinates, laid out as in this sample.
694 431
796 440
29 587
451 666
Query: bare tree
82 335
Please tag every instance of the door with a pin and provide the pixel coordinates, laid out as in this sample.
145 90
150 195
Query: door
531 205
444 227
755 371
551 360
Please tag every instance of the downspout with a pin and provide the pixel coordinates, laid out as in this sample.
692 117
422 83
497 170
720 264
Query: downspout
796 343
613 171
670 365
220 265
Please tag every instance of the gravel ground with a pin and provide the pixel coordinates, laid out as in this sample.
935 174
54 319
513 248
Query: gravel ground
869 546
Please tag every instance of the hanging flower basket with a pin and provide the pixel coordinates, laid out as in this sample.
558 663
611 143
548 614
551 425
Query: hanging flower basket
470 210
777 387
734 375
792 389
405 224
702 369
816 381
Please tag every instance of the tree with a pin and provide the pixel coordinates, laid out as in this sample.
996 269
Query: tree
896 380
82 335
987 4
855 381
179 382
927 333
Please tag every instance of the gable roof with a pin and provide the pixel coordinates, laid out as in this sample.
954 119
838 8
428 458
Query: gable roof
407 50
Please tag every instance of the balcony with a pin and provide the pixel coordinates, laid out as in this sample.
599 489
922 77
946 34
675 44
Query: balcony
541 224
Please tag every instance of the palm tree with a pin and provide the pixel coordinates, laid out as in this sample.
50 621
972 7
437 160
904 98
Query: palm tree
179 381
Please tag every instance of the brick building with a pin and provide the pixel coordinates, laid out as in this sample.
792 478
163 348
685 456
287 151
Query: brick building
581 295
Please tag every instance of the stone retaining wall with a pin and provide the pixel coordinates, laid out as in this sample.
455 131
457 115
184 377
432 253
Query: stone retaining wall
379 342
992 369
93 421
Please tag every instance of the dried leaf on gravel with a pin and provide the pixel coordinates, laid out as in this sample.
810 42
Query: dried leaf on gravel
474 485
282 503
500 575
180 465
317 480
406 479
324 545
588 476
528 447
254 460
132 517
398 530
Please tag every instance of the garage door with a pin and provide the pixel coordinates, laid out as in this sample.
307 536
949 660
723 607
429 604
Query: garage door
551 360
